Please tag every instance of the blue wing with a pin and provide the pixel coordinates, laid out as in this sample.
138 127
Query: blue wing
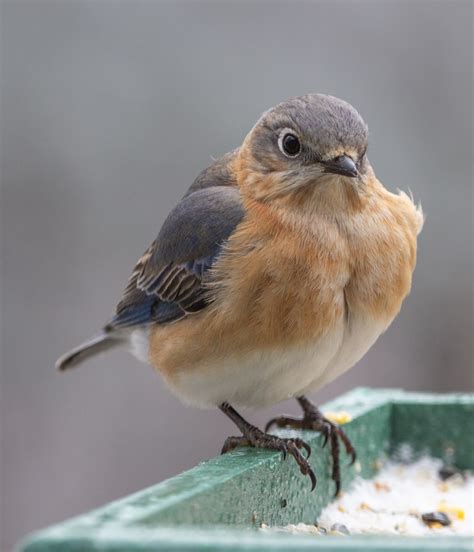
169 281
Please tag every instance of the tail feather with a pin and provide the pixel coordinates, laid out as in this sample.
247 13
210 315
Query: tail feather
94 346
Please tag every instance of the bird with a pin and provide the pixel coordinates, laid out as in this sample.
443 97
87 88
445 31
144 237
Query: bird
276 272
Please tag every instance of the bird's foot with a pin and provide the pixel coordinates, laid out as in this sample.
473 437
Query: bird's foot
254 437
314 420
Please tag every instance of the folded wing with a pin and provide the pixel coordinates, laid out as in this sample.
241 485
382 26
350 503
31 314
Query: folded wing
169 281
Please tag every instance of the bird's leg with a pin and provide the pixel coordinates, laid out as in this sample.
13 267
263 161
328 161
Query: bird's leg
254 437
313 419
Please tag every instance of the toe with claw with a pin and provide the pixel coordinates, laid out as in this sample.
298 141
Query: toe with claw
292 447
254 437
313 419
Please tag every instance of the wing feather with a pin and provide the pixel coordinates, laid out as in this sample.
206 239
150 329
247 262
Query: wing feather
169 280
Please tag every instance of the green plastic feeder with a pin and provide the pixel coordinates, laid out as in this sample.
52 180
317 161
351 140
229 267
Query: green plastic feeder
219 504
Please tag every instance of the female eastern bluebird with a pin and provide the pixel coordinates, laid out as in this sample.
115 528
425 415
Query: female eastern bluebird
276 272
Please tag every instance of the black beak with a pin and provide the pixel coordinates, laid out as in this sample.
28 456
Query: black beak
343 165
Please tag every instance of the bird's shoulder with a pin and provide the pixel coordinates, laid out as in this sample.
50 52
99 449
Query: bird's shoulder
219 173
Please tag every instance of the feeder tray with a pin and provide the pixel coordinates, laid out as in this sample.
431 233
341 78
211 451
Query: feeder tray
220 504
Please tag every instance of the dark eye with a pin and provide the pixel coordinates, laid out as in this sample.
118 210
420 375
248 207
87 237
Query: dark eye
289 144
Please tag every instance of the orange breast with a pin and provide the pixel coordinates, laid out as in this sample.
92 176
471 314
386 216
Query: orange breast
278 284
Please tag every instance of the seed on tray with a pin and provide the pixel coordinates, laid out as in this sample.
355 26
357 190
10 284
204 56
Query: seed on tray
382 486
340 528
451 511
445 472
402 499
340 418
435 519
365 506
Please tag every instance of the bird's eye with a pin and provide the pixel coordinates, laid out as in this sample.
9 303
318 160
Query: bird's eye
289 144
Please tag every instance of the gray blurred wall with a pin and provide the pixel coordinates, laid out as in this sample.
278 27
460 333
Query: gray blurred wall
109 110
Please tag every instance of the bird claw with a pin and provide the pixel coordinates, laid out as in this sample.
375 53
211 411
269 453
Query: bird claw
284 451
303 445
287 446
326 430
283 421
233 442
332 433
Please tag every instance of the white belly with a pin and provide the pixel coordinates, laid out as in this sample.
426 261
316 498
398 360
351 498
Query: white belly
267 377
361 332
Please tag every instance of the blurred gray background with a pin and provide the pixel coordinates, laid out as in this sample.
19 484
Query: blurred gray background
109 110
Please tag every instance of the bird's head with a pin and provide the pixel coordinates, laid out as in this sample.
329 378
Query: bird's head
312 142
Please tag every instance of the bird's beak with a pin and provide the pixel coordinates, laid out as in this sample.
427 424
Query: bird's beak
342 165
